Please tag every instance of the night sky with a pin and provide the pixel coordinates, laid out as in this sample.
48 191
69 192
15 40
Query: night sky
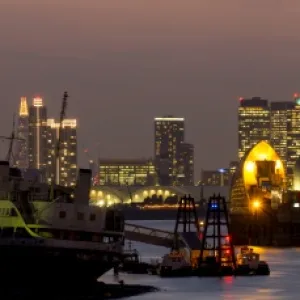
124 62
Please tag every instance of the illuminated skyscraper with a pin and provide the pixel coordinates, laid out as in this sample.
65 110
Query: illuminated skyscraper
169 136
37 139
185 176
253 123
280 118
293 139
21 149
66 171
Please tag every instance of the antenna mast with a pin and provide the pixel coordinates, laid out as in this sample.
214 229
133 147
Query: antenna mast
57 152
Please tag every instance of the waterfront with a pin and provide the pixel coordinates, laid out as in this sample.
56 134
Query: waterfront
283 283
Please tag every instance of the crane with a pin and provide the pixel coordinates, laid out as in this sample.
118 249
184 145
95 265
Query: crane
58 144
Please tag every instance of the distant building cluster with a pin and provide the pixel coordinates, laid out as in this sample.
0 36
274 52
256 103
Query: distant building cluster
172 165
278 123
36 144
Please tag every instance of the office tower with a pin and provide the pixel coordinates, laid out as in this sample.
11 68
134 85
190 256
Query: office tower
138 172
21 148
185 175
37 138
65 168
293 139
253 123
169 136
280 118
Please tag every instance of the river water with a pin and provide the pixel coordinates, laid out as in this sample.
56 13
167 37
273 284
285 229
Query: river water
283 283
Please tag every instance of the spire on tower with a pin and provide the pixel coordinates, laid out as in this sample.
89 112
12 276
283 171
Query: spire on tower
23 107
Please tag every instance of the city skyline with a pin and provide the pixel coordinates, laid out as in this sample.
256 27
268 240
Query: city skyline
191 60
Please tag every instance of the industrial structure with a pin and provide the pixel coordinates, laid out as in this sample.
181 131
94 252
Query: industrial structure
263 211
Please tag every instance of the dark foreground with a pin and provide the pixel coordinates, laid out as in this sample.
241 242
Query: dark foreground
99 291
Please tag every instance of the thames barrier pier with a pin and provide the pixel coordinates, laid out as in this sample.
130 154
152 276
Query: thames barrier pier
263 210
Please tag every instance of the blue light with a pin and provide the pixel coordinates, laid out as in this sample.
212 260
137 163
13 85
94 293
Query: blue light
214 205
222 170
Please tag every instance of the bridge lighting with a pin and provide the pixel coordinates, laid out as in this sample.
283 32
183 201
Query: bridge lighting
101 203
256 204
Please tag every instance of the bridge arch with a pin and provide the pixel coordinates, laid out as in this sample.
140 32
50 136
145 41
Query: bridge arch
106 196
164 193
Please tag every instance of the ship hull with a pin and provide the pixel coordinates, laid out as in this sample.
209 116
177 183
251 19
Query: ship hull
58 265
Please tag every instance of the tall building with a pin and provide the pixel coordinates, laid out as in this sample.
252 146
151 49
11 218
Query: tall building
293 139
37 137
21 149
280 119
169 136
64 169
185 175
126 172
253 123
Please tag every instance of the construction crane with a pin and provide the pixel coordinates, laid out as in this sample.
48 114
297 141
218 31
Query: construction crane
58 144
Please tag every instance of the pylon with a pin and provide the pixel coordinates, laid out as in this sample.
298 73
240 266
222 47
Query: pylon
187 217
217 232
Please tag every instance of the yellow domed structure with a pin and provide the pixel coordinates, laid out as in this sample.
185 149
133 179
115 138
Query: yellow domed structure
260 177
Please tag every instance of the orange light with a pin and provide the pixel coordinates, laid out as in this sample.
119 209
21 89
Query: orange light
256 204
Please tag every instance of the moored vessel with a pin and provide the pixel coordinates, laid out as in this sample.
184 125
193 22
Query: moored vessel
61 238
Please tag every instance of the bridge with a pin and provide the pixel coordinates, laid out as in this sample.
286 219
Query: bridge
148 235
157 237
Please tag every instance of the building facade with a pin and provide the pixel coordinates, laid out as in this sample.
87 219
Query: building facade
122 172
37 137
62 169
185 175
281 114
174 159
21 149
253 123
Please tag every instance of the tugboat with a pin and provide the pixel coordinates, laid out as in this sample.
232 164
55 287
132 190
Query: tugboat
249 263
59 240
175 264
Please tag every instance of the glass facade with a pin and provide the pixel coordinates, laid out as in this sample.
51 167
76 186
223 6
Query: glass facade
253 122
126 172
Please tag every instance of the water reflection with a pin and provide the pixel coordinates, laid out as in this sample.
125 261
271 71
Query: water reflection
283 282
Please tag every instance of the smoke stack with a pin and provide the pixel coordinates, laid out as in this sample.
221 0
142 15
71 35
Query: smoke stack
82 191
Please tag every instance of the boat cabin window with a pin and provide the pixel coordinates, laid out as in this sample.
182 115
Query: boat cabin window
62 214
92 217
80 216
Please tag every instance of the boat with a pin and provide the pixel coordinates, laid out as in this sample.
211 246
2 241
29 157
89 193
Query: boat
249 263
132 264
55 239
175 264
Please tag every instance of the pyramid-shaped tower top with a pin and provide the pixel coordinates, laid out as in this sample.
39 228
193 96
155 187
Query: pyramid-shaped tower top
23 107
